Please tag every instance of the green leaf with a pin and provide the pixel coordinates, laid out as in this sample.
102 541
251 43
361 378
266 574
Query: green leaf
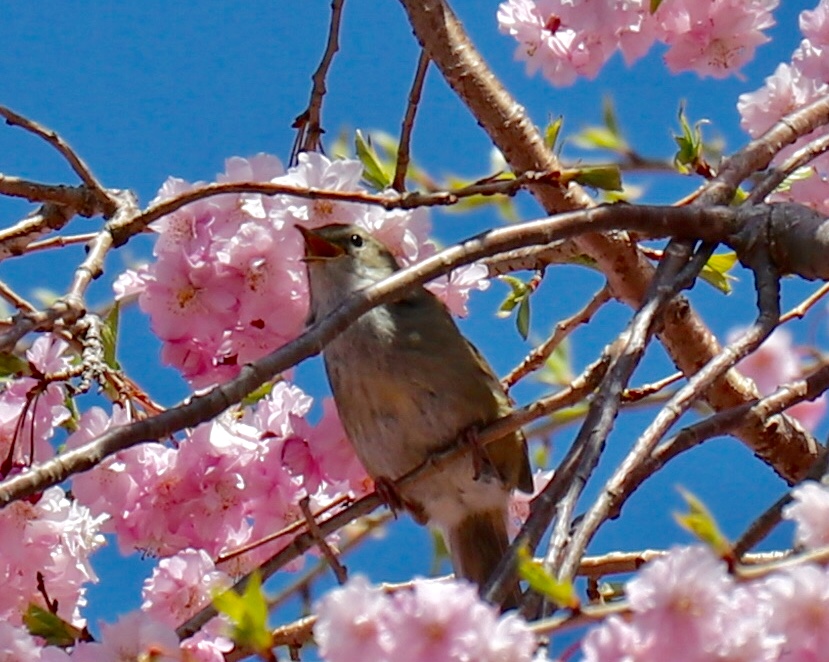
701 523
248 614
558 368
563 594
609 116
800 174
570 414
600 137
518 291
440 551
715 271
56 631
522 319
690 144
518 297
655 5
109 336
260 393
12 365
373 171
552 131
605 178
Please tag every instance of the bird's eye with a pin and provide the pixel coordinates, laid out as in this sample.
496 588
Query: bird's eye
356 240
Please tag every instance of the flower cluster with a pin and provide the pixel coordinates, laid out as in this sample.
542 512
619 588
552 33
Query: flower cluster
45 542
433 620
228 285
31 409
229 482
53 538
776 362
566 39
793 85
687 608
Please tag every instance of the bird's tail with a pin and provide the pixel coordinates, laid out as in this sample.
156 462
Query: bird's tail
477 544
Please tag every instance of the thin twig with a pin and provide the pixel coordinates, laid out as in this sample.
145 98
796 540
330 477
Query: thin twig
319 540
309 122
402 166
290 529
367 527
61 242
48 218
804 306
777 176
564 328
641 392
411 200
15 299
105 200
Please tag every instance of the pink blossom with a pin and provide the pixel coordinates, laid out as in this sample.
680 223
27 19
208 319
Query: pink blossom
30 410
434 620
315 170
203 647
798 600
810 513
135 636
454 289
53 537
677 600
511 641
351 623
713 38
811 55
784 91
519 504
17 645
130 283
74 535
744 633
227 483
561 50
614 641
565 39
181 585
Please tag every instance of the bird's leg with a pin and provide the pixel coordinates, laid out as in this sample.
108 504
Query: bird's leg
481 463
389 494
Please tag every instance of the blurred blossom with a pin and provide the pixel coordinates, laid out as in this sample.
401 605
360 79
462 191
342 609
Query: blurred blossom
431 622
810 512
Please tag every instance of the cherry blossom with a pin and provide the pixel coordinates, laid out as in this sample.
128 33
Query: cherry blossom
433 620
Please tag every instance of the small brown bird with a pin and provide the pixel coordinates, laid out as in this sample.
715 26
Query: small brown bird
407 384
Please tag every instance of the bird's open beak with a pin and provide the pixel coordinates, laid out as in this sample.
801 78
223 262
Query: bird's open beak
317 247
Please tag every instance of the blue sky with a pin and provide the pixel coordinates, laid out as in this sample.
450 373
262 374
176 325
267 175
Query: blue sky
152 89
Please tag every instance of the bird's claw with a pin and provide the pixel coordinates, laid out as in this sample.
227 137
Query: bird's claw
389 494
481 463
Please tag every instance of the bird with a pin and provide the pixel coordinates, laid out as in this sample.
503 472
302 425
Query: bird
408 384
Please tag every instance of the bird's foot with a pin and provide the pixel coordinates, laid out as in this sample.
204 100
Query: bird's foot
389 494
481 464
